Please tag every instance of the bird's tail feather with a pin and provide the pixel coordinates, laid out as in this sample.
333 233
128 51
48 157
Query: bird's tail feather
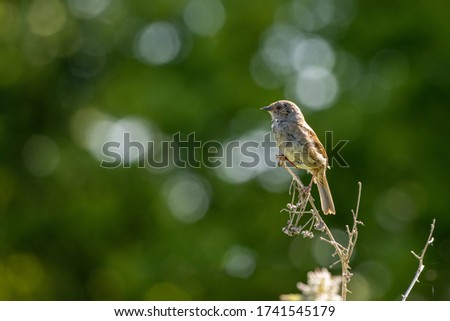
326 201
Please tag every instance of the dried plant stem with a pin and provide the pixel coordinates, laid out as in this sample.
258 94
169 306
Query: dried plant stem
420 258
344 253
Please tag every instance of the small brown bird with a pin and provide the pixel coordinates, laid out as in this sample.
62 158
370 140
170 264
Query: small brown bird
299 144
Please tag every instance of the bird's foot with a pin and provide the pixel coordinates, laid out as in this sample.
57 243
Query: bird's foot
281 160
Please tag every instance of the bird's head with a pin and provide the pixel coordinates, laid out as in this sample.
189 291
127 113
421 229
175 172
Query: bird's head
284 110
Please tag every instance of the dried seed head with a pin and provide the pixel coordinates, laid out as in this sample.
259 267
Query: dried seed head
291 230
307 234
319 226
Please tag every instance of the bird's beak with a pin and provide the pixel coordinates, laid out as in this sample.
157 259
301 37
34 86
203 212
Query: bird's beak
268 108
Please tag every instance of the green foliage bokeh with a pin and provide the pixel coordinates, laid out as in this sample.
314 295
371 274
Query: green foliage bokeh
73 230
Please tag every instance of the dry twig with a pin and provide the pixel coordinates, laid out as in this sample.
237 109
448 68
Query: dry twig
297 209
420 258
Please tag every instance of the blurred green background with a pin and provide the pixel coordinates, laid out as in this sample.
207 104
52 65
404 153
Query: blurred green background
75 74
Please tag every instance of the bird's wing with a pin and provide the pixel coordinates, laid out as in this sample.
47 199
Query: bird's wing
318 154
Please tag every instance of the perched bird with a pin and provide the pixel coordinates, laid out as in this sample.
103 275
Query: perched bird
299 144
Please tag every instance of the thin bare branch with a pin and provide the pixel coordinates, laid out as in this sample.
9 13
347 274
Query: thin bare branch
304 197
420 258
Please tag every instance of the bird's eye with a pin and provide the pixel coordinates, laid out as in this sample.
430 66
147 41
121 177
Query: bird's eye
278 107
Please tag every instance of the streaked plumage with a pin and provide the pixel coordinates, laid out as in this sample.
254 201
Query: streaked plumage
298 142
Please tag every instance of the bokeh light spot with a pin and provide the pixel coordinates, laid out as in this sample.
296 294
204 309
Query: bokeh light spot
130 132
314 52
394 209
46 17
369 95
323 12
89 59
158 43
348 70
360 287
277 48
204 17
276 180
378 276
296 11
88 8
293 55
187 197
245 158
92 129
316 88
239 261
83 122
